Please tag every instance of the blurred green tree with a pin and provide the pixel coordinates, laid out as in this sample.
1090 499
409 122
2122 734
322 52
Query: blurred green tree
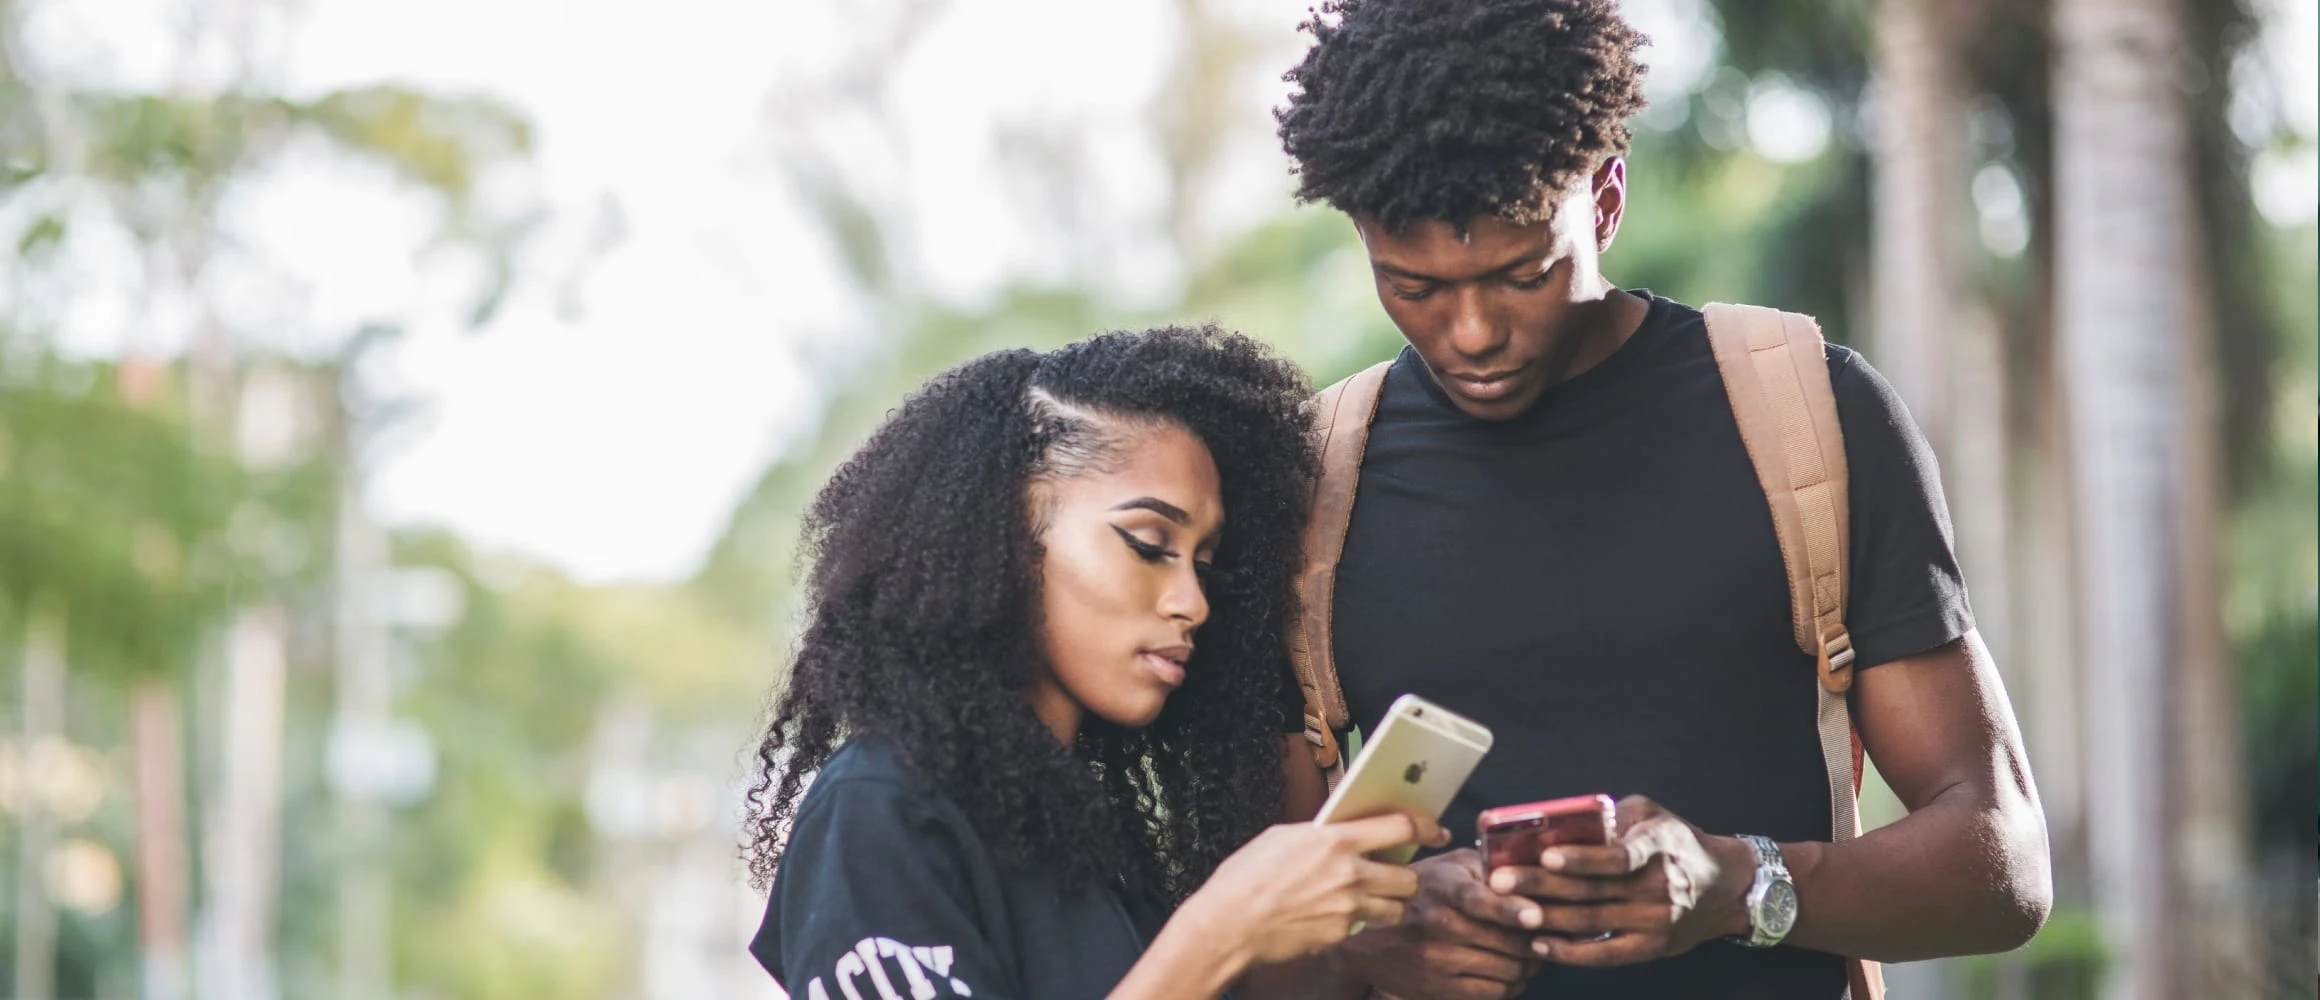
130 520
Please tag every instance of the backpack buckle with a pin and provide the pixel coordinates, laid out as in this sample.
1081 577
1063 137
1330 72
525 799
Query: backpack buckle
1836 660
1325 752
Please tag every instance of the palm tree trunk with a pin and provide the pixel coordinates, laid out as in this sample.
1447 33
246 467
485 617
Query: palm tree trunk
159 750
43 693
157 746
2208 788
2126 251
1917 186
2055 723
365 894
242 848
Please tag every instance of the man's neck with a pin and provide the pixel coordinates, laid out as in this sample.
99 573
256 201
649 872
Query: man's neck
1597 330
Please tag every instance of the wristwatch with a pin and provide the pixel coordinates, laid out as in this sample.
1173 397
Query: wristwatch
1771 898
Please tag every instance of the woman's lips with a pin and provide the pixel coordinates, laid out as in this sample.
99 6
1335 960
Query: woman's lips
1168 663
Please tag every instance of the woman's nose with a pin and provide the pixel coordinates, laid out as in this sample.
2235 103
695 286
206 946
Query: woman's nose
1185 600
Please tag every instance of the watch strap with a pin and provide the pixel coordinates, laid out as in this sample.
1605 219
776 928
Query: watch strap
1770 868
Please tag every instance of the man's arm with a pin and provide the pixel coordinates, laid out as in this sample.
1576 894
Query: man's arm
1964 873
1970 859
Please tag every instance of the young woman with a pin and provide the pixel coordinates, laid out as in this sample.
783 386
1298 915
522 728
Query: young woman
1041 692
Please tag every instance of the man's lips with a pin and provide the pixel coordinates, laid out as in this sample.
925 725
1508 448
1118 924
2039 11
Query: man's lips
1484 385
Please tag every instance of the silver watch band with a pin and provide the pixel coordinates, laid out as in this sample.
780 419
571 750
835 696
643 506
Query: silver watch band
1771 873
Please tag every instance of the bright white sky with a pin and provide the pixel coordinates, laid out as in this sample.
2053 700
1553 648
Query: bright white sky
614 439
649 363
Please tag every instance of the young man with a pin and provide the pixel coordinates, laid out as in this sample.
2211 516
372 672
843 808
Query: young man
1559 532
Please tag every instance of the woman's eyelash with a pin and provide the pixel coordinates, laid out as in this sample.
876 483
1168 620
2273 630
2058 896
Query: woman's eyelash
1153 553
1148 551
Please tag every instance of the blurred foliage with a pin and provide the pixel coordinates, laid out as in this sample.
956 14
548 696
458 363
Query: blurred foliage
2271 605
113 519
139 525
514 688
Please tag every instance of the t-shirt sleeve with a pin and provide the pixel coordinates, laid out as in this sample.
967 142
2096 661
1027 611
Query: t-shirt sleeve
1907 595
876 901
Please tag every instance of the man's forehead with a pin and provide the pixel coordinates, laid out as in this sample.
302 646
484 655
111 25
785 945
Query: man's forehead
1485 243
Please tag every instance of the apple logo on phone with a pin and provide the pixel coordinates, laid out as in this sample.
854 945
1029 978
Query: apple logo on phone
1414 772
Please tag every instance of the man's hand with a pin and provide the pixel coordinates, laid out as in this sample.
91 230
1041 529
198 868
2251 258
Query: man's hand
1458 940
1659 890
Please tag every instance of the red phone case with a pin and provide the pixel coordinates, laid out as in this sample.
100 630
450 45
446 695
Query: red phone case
1516 835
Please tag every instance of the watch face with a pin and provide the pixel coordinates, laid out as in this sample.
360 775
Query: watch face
1776 913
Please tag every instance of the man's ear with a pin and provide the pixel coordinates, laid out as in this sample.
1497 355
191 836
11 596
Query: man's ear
1610 190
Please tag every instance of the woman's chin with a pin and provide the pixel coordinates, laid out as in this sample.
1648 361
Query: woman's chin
1132 715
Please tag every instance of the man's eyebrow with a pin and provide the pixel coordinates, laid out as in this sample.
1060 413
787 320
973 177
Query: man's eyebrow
1518 260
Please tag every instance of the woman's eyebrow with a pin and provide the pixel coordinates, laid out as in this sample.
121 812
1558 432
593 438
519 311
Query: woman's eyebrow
1160 507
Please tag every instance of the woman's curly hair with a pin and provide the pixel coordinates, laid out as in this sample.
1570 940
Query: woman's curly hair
1458 109
922 614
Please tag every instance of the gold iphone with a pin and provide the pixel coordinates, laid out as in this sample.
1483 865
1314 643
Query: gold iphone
1415 763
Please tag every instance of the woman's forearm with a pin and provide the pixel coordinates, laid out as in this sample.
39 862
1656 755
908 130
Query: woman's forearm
1314 977
1193 958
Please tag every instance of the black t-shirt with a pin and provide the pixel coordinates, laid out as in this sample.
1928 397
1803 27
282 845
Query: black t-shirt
887 891
1599 583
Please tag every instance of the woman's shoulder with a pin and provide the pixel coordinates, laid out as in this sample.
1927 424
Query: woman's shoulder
868 780
871 862
868 758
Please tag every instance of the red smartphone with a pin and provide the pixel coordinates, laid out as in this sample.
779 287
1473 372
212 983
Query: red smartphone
1517 835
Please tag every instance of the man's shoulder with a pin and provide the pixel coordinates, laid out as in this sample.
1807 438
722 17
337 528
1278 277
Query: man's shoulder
1862 392
1851 378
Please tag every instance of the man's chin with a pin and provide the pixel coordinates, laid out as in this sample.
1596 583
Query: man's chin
1496 408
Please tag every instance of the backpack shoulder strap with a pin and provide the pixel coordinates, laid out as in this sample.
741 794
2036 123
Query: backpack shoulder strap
1341 416
1776 372
1775 369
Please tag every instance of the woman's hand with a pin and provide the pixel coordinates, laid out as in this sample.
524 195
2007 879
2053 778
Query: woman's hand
1296 889
1301 887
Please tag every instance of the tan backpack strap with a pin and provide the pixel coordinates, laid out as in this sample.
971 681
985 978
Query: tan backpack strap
1775 369
1341 416
1864 980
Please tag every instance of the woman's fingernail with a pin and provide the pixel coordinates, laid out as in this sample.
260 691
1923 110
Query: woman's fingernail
1532 917
1502 882
1551 861
1540 945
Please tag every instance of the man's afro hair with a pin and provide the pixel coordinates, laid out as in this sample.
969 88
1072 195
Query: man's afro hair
1458 109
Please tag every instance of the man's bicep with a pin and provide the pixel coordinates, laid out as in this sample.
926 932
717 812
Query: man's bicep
1939 720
